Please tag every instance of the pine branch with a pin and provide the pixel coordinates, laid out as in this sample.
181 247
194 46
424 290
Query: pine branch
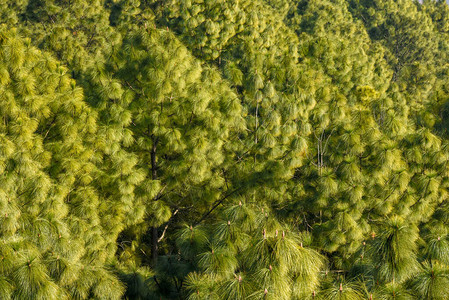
49 127
159 194
216 204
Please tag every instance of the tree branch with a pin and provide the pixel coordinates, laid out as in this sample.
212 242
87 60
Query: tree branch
166 226
216 204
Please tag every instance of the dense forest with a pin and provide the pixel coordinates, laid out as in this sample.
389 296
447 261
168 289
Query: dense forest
224 149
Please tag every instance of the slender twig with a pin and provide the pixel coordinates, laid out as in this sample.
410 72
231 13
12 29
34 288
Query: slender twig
166 226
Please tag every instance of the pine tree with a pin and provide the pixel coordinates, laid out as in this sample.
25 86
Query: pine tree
407 33
48 163
266 149
179 128
249 254
79 34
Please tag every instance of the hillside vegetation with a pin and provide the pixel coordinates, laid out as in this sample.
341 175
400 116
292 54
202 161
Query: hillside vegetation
224 149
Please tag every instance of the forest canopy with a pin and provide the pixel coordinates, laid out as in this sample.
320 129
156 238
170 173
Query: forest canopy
224 149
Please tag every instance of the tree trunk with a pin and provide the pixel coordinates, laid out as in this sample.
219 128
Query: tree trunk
154 230
154 246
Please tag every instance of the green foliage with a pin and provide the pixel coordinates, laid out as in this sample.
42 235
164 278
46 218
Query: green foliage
263 149
251 255
394 251
430 283
48 161
343 290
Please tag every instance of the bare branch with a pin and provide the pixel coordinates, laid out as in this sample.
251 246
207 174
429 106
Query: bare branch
166 226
